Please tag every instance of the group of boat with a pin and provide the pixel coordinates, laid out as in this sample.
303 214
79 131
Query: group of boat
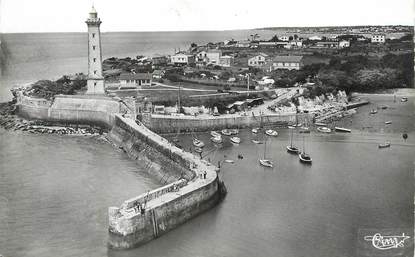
302 155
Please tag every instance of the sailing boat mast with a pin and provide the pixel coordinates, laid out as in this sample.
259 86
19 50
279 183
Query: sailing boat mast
303 144
265 148
291 138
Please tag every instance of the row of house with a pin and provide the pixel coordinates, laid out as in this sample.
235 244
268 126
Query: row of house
269 64
204 57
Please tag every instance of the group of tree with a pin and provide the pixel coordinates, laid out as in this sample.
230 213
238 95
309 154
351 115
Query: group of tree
64 85
354 73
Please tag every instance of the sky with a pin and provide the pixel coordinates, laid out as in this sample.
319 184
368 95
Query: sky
177 15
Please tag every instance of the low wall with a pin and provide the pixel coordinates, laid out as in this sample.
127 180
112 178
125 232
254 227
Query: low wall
171 124
168 206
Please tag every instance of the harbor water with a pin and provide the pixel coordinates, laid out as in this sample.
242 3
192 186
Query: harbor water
55 190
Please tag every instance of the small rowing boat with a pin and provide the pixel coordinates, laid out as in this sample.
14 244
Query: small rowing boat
226 132
373 111
388 122
384 145
198 143
257 142
271 132
320 124
266 163
214 134
339 129
217 140
198 150
324 130
304 130
255 130
235 140
404 99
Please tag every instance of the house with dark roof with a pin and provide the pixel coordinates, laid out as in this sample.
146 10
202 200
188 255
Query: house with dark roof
287 62
135 80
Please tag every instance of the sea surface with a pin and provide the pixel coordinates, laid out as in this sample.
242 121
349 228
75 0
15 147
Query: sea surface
55 190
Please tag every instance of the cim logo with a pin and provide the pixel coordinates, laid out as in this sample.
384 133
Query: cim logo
387 242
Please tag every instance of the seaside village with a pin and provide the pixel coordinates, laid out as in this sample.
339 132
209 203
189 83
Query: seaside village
250 78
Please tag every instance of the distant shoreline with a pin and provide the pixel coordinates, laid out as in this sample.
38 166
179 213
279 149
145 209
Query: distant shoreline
392 91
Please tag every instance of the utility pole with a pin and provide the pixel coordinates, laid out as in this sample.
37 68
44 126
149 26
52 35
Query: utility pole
248 84
178 101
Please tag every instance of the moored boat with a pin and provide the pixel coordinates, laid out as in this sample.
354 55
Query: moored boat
271 132
292 148
339 129
255 130
305 158
266 163
217 140
384 145
257 142
198 150
214 134
388 122
198 143
235 140
226 132
320 124
304 130
324 129
373 111
404 99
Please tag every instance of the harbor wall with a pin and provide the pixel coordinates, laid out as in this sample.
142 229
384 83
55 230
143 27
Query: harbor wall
173 124
95 111
166 207
190 185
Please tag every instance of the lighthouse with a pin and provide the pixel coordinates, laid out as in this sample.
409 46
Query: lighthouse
95 82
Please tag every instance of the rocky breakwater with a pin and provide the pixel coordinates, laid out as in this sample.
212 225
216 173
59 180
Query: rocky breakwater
150 215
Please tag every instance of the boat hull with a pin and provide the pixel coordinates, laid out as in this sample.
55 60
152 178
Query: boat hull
304 160
266 163
293 150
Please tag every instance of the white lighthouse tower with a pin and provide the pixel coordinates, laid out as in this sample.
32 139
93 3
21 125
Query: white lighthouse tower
95 79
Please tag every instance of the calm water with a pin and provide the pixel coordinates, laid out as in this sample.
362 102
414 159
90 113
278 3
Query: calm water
55 190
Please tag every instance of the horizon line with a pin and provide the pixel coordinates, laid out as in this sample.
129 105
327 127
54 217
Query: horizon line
208 30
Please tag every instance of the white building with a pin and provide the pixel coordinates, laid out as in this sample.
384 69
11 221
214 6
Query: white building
378 38
315 38
135 80
95 81
344 44
258 60
213 56
284 62
243 44
284 38
182 59
226 61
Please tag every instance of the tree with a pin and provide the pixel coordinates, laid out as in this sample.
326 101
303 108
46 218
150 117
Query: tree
192 45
